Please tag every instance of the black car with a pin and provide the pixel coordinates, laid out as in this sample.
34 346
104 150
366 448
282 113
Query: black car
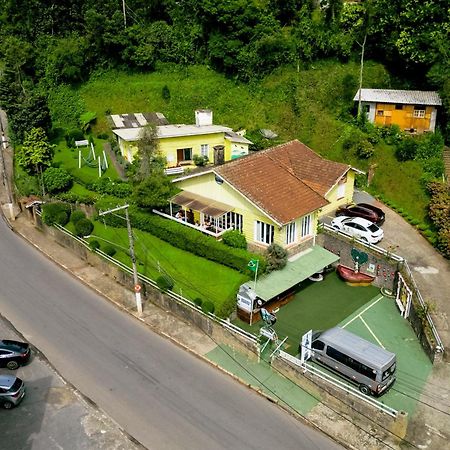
363 210
14 354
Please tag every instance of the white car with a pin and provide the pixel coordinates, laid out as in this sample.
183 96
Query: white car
359 228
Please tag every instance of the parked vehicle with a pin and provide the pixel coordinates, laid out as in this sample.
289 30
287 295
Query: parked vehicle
14 353
358 227
12 391
371 367
364 210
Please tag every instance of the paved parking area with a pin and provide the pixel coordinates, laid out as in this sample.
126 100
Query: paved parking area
52 414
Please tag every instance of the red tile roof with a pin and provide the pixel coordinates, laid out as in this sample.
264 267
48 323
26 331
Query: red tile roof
286 181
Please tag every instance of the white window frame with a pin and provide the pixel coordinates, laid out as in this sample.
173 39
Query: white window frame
306 228
264 232
291 233
204 149
419 113
341 189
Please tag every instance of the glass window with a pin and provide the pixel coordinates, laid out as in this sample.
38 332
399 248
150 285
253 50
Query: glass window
379 112
398 106
306 226
187 154
263 232
204 149
318 345
291 229
419 113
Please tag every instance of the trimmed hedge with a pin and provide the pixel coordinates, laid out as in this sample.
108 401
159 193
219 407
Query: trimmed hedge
77 215
84 227
188 239
56 213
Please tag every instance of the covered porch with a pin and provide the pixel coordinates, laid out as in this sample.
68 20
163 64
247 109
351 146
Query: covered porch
209 216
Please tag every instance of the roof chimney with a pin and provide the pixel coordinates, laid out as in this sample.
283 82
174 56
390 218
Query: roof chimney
203 117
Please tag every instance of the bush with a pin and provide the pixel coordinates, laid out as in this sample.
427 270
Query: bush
72 136
110 250
94 244
406 149
208 307
77 215
56 213
106 186
200 160
84 227
276 257
364 149
72 197
198 301
57 180
165 283
352 139
165 93
103 136
235 239
185 238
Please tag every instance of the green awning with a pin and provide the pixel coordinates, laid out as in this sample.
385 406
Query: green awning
303 266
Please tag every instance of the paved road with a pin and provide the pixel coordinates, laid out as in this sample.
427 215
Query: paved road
161 395
52 415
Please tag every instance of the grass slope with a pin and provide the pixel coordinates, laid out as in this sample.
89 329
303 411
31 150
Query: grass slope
312 105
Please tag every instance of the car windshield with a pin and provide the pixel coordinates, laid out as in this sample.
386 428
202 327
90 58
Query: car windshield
373 228
16 385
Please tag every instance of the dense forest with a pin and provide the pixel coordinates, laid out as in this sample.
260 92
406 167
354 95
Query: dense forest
46 43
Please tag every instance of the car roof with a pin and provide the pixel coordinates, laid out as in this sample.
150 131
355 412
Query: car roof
361 221
6 381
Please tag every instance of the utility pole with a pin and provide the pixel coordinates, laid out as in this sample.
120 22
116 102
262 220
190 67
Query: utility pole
124 13
137 286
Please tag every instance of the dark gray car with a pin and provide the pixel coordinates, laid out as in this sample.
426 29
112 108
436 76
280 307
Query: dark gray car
12 391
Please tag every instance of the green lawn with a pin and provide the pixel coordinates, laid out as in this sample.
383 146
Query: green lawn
317 306
194 276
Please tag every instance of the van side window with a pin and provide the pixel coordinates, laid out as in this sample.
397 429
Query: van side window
337 355
318 345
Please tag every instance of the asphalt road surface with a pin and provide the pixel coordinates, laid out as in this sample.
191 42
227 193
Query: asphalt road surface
161 395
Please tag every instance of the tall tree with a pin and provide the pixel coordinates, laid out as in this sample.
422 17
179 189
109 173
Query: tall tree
36 152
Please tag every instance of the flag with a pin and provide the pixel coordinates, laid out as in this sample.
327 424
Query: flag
253 265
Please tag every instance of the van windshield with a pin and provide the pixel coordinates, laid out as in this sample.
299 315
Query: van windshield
388 372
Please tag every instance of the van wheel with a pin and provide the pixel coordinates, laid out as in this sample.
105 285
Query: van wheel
7 405
364 389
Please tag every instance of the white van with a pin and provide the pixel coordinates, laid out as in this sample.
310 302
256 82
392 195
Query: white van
370 367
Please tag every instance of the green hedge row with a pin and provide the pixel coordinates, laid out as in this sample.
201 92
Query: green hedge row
188 239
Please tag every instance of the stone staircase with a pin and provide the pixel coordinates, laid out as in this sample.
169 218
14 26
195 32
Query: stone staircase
447 163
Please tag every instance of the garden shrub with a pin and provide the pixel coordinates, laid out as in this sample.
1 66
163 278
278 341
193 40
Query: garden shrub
208 307
198 301
110 250
165 283
165 93
106 186
103 136
352 138
72 136
235 239
72 197
94 244
84 227
57 180
276 257
56 213
185 238
406 149
430 146
77 215
364 149
200 160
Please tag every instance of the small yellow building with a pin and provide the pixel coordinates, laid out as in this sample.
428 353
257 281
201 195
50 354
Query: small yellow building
180 143
412 111
272 196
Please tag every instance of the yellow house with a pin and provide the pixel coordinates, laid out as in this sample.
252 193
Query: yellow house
412 111
272 196
180 143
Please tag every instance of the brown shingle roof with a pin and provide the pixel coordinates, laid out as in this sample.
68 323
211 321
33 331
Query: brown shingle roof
286 181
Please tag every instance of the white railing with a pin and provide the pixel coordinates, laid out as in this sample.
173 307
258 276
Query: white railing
338 384
393 256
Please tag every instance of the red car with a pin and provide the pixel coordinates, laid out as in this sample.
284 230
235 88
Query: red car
364 210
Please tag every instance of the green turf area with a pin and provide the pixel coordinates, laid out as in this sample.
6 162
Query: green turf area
194 276
261 375
397 336
317 306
